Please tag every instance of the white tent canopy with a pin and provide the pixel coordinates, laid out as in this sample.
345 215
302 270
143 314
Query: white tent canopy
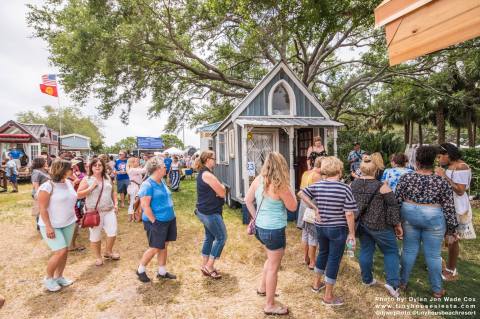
174 151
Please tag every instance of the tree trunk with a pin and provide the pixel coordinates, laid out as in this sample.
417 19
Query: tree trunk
410 132
420 134
406 132
440 119
471 139
458 136
474 134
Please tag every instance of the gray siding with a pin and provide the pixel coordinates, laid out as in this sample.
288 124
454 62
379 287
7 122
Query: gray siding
259 105
283 145
226 172
239 160
75 142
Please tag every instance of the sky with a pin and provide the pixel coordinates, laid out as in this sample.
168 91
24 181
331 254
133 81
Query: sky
23 59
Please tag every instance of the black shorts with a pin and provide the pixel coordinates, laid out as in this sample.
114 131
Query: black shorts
160 232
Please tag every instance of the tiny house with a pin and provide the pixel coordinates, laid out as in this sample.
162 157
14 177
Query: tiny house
77 144
280 114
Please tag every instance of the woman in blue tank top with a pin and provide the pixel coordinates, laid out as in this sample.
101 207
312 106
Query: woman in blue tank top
210 200
273 196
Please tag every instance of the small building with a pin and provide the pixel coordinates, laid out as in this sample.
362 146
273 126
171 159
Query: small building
206 141
32 139
280 114
77 144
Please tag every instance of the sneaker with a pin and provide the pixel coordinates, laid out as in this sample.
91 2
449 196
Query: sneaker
142 276
392 291
64 282
166 276
51 285
373 283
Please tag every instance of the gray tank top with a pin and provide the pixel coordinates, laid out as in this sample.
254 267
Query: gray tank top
106 202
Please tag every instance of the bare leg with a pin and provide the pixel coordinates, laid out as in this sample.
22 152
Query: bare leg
263 280
55 261
122 200
317 280
305 253
96 248
204 260
61 265
453 252
162 256
109 248
210 264
328 292
312 252
148 255
274 260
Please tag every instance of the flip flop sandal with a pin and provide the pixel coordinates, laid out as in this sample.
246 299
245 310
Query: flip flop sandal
213 274
317 290
264 294
77 249
277 312
334 302
205 271
113 256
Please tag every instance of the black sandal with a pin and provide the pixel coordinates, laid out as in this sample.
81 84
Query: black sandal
213 274
264 294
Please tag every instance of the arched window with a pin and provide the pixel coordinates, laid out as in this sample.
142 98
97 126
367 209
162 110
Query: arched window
281 99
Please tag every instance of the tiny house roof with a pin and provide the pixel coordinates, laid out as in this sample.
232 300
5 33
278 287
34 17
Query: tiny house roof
208 128
417 27
323 119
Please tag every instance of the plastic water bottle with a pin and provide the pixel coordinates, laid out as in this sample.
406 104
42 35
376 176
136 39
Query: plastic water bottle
350 251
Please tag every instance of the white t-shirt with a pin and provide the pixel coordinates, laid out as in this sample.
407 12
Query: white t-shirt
61 208
462 203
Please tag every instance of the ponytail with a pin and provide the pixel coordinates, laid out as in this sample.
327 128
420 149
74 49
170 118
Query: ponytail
201 161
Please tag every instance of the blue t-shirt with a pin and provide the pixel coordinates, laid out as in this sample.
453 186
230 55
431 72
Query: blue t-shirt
168 163
121 165
15 153
161 203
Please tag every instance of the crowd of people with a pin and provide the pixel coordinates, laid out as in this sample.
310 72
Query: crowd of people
417 203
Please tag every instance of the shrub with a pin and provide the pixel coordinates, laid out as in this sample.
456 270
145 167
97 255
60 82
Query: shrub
471 156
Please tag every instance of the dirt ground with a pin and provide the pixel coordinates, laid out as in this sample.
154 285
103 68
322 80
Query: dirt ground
113 291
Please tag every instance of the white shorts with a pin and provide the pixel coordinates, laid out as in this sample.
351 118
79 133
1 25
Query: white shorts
108 222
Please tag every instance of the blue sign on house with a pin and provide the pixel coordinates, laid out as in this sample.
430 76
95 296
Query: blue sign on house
149 143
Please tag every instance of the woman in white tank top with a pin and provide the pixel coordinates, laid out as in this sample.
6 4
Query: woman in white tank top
459 175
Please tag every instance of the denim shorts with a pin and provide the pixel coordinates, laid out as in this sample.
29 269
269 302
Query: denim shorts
273 239
13 179
122 185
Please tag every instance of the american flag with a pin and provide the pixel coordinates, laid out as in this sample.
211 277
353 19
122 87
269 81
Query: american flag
49 79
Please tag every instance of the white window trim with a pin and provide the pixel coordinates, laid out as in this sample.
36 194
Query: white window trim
225 141
231 143
291 97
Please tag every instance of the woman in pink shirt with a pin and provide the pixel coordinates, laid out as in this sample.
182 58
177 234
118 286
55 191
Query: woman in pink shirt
135 174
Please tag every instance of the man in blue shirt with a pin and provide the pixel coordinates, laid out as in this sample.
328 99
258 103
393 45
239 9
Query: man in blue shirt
355 157
122 177
158 218
168 163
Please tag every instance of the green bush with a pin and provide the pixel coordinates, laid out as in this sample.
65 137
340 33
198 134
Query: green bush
471 156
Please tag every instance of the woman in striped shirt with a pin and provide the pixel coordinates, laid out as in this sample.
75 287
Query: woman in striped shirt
335 206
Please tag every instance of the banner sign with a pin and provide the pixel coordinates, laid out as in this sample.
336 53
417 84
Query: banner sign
149 143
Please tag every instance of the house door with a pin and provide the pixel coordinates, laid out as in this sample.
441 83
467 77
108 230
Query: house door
304 141
259 144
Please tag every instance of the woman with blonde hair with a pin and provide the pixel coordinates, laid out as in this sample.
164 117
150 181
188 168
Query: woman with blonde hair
210 200
273 196
135 174
378 225
56 200
377 159
335 207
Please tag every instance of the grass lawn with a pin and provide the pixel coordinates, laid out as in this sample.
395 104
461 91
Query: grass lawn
112 291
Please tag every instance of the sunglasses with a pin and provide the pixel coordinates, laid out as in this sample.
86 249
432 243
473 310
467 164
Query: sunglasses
98 165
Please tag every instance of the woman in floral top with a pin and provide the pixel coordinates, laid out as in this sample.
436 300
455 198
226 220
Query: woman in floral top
427 213
392 175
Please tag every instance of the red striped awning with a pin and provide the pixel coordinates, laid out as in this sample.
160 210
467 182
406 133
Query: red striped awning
15 138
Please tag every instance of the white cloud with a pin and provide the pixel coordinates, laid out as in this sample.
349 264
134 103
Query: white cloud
24 59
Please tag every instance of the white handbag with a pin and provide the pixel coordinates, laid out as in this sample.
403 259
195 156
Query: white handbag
309 216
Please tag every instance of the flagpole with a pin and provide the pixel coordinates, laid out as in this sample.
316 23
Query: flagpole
60 118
